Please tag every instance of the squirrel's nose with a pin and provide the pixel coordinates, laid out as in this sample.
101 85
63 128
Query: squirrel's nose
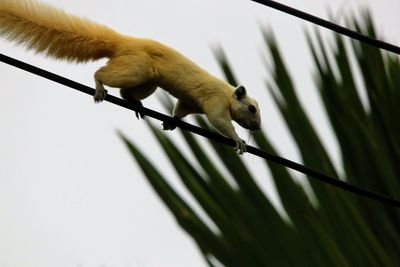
254 126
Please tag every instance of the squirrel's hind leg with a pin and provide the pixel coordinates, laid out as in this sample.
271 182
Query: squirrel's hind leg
133 95
100 92
123 72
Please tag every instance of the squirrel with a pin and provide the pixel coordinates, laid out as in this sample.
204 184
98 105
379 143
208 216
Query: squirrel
136 66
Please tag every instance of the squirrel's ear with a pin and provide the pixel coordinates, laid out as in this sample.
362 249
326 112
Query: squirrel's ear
240 92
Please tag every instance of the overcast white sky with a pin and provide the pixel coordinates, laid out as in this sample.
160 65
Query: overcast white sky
70 194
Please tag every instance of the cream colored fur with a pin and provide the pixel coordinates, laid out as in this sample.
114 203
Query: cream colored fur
136 66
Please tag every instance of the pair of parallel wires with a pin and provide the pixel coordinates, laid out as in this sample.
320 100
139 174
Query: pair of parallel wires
221 139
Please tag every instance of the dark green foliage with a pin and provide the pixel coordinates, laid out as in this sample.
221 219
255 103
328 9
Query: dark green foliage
342 230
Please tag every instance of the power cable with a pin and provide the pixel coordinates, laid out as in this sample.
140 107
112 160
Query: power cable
329 25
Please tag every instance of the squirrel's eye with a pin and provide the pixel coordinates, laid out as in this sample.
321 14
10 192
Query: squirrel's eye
252 109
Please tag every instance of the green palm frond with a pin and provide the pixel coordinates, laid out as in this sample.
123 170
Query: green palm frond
342 229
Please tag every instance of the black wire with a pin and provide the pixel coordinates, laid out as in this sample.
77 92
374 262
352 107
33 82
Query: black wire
205 133
330 25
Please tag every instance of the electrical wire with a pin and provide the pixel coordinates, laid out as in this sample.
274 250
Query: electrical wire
205 133
329 25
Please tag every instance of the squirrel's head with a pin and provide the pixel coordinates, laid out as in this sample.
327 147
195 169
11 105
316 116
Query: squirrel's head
244 110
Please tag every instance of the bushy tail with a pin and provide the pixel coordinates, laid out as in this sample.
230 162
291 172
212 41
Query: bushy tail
52 31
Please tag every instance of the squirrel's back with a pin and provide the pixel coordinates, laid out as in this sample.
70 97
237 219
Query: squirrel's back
54 32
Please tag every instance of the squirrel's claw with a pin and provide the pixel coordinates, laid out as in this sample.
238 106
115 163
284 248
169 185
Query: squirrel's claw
139 115
240 146
139 103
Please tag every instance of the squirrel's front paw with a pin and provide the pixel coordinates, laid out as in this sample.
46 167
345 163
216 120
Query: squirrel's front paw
168 126
240 146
